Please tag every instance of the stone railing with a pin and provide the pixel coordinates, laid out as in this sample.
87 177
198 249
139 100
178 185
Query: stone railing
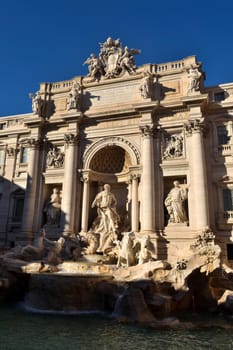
171 66
225 150
62 85
225 217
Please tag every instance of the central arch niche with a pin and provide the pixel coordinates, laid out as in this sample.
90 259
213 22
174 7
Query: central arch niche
111 160
111 164
116 161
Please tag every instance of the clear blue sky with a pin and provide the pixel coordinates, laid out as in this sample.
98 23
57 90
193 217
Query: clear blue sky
48 40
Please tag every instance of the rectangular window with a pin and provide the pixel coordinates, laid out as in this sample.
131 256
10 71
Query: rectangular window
2 157
2 126
230 251
223 137
228 199
18 209
1 186
24 155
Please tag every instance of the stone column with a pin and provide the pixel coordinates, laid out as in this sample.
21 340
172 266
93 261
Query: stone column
198 196
85 204
30 195
69 184
158 182
134 205
147 196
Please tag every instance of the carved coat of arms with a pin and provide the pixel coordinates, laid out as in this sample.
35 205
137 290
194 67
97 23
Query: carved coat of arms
113 60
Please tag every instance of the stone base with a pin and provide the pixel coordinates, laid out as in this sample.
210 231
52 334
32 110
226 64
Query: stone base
179 238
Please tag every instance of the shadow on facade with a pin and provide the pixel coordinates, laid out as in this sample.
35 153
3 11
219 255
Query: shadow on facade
11 208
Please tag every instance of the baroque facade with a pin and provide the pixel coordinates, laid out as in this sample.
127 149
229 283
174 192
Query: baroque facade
154 133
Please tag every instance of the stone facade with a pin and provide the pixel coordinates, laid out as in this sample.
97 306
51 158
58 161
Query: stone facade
139 129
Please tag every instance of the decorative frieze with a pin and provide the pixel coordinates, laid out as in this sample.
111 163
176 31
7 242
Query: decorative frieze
174 146
55 158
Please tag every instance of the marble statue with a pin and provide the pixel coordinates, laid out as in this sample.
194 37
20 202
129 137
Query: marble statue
55 158
95 67
74 97
35 250
126 254
53 208
194 76
92 243
127 59
174 203
29 252
108 218
147 251
54 249
174 147
113 60
72 248
146 86
36 103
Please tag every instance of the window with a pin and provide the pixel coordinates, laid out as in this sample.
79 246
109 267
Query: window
230 251
2 126
228 199
1 186
223 137
24 155
18 208
2 157
219 96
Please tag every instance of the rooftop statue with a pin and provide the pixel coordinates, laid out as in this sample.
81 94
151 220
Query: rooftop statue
194 76
74 97
113 60
37 103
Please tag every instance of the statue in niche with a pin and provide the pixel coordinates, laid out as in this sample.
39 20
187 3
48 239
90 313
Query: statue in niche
36 103
174 147
194 76
107 221
55 158
53 208
174 203
146 86
74 97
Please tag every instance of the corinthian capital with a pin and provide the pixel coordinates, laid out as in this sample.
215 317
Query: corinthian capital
147 130
11 151
194 126
32 142
71 138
